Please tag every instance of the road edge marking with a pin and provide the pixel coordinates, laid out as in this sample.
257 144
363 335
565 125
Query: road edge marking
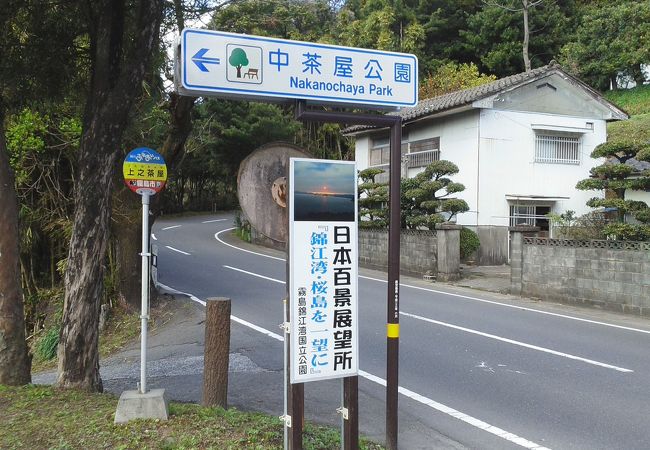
477 423
482 300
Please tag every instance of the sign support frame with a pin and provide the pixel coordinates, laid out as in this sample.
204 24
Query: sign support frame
394 122
294 393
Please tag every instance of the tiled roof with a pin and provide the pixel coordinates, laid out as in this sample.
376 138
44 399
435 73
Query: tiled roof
466 97
638 166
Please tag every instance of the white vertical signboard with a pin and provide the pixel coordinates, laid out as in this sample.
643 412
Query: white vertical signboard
324 267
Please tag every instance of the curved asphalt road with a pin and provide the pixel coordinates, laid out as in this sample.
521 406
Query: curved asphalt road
476 370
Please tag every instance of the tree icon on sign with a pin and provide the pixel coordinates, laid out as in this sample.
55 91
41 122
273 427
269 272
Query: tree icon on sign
238 59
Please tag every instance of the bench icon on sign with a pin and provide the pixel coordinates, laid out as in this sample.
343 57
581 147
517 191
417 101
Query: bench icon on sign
251 73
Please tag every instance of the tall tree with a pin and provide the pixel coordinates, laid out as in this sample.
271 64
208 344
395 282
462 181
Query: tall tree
36 44
525 7
611 40
443 21
14 360
498 37
123 36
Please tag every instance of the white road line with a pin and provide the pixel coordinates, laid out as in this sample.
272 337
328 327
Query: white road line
491 302
479 333
521 344
177 250
254 274
216 236
215 220
511 437
173 226
154 237
523 308
175 291
458 415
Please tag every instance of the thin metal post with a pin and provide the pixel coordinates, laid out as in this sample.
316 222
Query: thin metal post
392 316
144 307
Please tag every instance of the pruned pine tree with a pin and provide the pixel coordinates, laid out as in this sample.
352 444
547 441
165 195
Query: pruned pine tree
427 198
617 175
373 197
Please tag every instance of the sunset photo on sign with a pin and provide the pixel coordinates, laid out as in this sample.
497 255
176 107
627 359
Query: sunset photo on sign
324 191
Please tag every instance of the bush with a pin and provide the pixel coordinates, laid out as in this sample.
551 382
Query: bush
469 242
242 228
46 347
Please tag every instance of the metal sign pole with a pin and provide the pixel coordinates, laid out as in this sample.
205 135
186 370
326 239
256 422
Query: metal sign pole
392 319
144 315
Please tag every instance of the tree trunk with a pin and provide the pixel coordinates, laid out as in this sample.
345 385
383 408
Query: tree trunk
525 5
15 363
128 241
114 88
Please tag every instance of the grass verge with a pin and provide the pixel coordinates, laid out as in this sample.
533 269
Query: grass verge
39 417
634 101
122 328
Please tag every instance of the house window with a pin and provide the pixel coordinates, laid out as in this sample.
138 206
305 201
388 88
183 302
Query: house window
557 149
380 152
423 152
529 214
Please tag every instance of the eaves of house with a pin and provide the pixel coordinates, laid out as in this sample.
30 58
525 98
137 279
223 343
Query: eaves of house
483 96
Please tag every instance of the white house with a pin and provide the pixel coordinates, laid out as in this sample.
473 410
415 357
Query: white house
521 144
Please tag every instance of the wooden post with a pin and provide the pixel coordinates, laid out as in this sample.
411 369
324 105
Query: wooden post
351 402
217 352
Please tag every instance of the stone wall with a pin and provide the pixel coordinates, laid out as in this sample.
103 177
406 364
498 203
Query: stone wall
610 274
418 252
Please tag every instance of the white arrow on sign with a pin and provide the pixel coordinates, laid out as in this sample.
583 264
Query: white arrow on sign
261 68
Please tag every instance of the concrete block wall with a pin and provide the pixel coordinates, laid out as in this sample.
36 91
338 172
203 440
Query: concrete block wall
612 275
418 251
494 245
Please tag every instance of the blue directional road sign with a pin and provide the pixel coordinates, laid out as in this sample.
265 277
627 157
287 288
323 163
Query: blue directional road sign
215 63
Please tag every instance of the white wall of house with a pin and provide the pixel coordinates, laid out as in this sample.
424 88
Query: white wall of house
508 165
458 143
495 152
641 196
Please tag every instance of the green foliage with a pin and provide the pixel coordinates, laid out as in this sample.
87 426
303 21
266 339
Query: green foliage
242 228
85 420
611 38
627 232
425 197
373 198
452 77
636 129
589 226
616 178
495 34
225 132
634 101
469 242
47 344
